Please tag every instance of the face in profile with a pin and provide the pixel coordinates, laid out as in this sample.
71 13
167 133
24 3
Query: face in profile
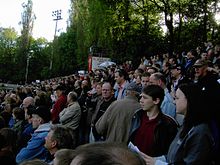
146 102
181 102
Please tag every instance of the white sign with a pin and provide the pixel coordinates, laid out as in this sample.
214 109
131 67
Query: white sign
96 61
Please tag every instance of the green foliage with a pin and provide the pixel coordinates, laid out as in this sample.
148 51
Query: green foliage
119 29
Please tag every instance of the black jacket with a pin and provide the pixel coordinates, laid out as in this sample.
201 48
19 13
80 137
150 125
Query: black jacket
164 134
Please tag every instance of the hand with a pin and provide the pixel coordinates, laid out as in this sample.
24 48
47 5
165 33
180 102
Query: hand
148 160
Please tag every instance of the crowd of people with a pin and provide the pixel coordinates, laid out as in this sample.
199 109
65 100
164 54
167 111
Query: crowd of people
163 112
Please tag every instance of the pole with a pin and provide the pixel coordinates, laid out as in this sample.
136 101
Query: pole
27 67
57 15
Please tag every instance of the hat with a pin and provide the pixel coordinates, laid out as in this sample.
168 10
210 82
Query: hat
201 62
60 87
43 112
134 87
178 67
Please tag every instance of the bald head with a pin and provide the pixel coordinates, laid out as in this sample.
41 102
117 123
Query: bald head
28 101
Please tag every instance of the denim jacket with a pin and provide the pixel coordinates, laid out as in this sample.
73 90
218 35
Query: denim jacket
35 147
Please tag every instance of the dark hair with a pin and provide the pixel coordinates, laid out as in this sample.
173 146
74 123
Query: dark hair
103 153
2 122
19 113
155 91
64 156
167 64
196 114
30 109
10 137
41 99
63 137
2 141
33 162
146 74
122 73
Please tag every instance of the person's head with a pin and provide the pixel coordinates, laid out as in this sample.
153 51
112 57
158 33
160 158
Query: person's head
71 97
10 137
188 99
2 141
210 54
63 157
158 79
59 137
84 84
27 102
41 99
201 67
166 67
40 115
151 97
77 84
217 49
138 80
152 70
145 79
138 72
191 54
176 71
107 91
189 102
33 162
60 89
133 89
121 76
2 122
204 56
99 88
8 108
28 112
105 154
18 113
172 60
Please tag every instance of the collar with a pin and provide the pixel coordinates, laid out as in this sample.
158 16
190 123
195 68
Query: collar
122 86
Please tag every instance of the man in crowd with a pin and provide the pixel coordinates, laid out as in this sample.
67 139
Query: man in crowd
207 80
151 130
167 107
59 105
116 121
58 138
102 105
121 78
35 148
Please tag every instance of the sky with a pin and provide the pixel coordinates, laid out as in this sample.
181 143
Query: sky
44 25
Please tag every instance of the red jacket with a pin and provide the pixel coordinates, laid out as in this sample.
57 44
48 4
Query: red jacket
59 105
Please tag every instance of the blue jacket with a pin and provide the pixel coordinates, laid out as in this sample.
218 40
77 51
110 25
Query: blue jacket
116 88
35 147
168 107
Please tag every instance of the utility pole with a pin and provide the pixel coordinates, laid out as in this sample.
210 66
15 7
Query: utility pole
27 65
57 16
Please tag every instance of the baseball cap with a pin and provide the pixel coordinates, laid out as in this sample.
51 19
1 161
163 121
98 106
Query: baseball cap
201 62
60 87
43 112
134 87
178 67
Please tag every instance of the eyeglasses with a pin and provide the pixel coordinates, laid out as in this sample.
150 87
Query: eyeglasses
106 90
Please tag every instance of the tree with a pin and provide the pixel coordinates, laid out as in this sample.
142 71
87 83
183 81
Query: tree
7 51
24 40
